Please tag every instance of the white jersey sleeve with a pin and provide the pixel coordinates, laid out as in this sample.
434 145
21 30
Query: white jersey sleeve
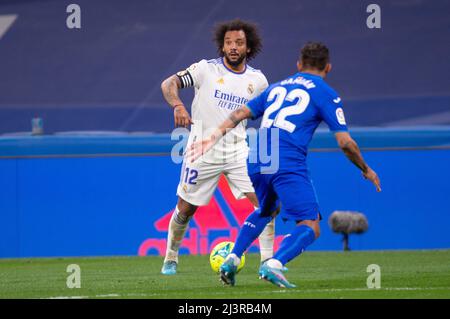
193 75
263 84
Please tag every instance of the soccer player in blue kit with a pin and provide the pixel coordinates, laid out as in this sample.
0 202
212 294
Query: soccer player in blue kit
294 107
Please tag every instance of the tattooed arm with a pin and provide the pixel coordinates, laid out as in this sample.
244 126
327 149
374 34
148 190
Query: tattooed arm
201 147
170 88
351 150
233 120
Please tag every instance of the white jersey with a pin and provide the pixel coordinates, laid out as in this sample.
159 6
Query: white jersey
218 92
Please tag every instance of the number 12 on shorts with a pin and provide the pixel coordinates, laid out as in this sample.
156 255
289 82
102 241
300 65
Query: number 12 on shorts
190 176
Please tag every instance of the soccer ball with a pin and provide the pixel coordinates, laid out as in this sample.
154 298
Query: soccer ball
219 253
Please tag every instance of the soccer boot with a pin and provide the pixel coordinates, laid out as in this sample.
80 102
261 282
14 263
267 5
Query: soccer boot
275 276
228 271
169 267
284 269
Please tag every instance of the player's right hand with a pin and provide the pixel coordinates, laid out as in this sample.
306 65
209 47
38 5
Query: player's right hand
373 177
181 116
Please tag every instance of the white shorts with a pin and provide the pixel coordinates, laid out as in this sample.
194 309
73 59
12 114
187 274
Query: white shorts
199 180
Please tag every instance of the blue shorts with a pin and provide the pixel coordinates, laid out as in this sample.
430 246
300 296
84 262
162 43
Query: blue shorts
294 190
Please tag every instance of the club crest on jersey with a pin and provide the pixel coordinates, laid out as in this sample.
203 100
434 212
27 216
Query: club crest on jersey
221 81
185 188
250 89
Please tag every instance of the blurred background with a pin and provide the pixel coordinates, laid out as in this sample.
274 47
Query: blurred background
107 75
99 179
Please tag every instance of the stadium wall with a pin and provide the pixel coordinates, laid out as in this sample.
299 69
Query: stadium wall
97 194
107 75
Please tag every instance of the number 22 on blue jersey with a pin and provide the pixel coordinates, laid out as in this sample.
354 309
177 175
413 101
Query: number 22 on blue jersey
278 95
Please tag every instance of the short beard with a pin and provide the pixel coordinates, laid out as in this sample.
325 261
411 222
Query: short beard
237 62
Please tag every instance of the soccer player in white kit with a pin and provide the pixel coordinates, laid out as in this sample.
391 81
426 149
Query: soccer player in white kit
221 86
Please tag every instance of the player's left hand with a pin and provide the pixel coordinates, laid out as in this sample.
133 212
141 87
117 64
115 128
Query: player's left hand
373 177
199 148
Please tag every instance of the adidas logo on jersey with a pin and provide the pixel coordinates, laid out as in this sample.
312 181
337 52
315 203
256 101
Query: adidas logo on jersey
221 81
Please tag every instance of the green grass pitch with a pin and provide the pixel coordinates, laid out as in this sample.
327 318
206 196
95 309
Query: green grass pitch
404 274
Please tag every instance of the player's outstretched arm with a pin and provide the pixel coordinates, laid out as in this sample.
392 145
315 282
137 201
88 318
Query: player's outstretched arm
201 147
351 150
170 88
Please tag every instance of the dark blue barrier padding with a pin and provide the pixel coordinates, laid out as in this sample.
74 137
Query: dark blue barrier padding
97 205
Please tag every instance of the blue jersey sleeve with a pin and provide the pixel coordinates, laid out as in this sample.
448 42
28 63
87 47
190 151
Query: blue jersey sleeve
257 105
330 106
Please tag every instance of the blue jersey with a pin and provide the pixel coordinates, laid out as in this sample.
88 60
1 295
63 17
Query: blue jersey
296 106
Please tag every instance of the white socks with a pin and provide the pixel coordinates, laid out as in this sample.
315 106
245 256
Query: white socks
177 229
266 239
179 224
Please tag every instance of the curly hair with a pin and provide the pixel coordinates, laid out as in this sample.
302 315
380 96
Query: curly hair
315 55
254 42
